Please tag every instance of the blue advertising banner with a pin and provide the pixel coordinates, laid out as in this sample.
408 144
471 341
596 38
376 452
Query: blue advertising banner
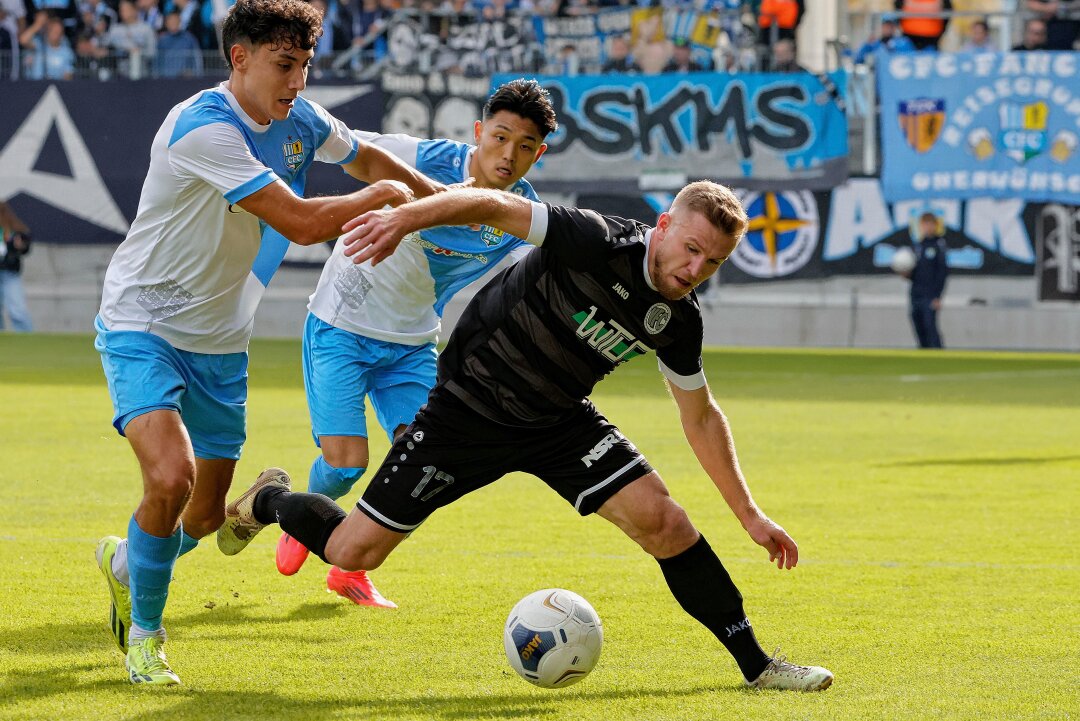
72 166
999 125
755 131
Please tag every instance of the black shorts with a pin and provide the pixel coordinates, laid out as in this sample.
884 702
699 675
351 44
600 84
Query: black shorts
450 450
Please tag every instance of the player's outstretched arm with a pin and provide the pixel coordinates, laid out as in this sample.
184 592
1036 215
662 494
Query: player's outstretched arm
710 437
306 221
376 234
372 163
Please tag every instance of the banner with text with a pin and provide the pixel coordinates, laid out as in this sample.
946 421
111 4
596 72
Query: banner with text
852 230
1003 125
758 131
460 44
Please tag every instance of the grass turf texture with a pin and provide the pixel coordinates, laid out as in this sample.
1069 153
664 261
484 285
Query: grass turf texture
934 496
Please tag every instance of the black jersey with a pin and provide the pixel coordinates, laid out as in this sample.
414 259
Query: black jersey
534 341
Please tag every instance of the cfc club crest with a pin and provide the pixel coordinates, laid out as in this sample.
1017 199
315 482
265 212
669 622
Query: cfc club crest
1023 129
921 121
657 317
294 153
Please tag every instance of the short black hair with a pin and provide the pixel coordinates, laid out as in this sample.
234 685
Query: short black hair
278 23
526 98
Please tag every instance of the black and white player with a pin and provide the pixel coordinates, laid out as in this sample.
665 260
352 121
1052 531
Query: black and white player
512 396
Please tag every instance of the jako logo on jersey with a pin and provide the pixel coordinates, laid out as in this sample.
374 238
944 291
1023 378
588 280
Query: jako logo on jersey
615 343
601 448
657 317
294 153
491 236
622 292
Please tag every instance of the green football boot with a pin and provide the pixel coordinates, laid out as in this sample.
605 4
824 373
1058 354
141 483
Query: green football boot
119 594
146 663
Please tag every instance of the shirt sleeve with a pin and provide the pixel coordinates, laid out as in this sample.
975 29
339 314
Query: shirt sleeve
217 154
340 146
404 147
582 239
680 362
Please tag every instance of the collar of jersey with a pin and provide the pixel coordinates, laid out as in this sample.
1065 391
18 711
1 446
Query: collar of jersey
235 105
645 262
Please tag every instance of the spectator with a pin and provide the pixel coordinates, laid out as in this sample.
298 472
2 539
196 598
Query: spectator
51 57
368 23
16 244
178 52
1062 18
978 38
150 13
193 21
891 39
924 32
342 25
569 63
784 14
324 48
91 55
783 58
13 17
681 59
1034 36
9 43
133 40
618 59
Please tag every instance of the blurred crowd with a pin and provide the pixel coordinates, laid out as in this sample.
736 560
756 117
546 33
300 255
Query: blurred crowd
59 39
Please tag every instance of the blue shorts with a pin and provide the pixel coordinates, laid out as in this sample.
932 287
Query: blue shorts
340 368
209 391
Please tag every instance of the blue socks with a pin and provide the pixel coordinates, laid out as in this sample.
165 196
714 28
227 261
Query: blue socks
332 482
150 565
187 543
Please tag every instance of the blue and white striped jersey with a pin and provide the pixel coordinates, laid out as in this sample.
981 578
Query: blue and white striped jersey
402 299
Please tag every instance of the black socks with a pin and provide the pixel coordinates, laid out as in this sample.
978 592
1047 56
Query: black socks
702 586
308 517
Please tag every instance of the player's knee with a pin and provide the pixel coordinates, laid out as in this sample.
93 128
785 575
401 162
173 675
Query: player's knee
170 484
347 455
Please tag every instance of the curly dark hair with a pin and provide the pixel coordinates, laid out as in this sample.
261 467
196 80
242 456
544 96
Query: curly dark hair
278 23
526 98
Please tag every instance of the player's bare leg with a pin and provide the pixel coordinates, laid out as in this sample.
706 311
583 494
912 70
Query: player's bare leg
167 461
646 513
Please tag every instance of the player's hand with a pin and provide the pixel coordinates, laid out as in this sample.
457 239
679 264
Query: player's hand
770 536
397 192
372 236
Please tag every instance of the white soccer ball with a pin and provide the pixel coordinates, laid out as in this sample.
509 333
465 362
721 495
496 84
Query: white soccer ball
903 261
553 638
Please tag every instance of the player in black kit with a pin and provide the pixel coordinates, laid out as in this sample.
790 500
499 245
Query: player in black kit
512 396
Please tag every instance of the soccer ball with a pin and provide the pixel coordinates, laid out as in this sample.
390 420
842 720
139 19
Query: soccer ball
903 261
553 638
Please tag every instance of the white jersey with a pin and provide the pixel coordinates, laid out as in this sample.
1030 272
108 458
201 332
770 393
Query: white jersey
195 265
402 299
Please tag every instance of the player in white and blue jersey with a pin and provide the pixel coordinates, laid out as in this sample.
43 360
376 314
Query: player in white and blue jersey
371 332
223 192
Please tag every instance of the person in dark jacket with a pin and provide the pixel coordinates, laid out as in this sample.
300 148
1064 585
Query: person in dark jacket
928 281
16 244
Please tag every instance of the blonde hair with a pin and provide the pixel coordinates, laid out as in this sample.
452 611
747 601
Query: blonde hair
717 203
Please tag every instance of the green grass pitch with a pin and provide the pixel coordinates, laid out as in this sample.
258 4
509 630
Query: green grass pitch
935 498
